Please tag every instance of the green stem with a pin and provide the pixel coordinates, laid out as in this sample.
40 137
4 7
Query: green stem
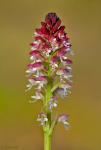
47 136
47 141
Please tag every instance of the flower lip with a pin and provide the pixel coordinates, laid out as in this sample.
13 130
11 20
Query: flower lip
37 96
42 117
53 102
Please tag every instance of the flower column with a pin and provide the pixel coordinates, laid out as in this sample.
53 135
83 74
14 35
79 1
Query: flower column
49 72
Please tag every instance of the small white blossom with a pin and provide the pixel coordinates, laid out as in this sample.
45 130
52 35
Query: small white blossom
42 118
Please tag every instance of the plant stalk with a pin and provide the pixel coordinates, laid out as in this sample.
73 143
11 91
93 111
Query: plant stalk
47 135
47 141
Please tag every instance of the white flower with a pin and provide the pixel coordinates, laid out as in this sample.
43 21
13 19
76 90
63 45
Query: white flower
37 96
52 103
42 118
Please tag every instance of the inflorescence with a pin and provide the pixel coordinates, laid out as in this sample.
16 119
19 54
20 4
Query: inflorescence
49 71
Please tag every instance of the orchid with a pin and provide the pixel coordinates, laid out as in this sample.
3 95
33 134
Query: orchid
49 72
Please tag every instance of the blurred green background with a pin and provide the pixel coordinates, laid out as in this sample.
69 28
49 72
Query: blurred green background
18 126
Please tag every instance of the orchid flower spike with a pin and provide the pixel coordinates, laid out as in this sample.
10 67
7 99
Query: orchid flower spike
49 71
